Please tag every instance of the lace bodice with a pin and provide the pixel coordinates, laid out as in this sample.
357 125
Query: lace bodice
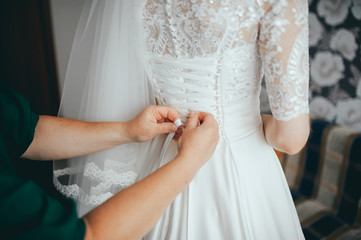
215 34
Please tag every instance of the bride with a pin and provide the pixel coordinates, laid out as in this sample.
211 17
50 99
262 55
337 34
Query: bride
202 55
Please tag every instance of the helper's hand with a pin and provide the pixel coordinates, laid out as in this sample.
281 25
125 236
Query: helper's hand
199 142
152 121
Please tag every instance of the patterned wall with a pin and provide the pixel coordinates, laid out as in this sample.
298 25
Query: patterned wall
335 62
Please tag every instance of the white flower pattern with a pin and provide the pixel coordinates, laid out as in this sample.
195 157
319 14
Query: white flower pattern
334 12
349 114
326 69
315 29
335 50
356 9
344 42
322 108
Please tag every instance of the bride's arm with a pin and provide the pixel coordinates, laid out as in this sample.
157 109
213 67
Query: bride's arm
131 213
59 138
283 40
286 136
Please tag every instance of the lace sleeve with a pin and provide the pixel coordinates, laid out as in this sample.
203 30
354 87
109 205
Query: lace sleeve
283 43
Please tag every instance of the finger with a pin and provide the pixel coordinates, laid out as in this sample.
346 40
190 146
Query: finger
163 112
166 127
206 118
192 120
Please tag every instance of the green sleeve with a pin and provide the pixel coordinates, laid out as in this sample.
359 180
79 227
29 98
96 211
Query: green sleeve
17 122
26 211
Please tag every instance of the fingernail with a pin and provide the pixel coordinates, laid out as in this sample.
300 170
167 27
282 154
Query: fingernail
191 114
173 128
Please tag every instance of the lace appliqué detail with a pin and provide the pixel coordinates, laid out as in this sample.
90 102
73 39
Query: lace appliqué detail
109 176
241 73
273 25
289 98
301 14
198 27
104 183
286 68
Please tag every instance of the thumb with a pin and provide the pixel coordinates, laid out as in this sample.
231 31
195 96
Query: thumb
166 127
192 120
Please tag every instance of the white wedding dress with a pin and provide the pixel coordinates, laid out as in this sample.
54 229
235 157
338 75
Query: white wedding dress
211 55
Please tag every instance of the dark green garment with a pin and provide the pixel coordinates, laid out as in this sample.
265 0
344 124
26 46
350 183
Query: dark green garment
26 211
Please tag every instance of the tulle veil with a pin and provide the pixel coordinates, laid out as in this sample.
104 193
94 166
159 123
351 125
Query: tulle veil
106 81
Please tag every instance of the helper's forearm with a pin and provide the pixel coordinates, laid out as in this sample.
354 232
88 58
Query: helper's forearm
286 136
134 211
59 138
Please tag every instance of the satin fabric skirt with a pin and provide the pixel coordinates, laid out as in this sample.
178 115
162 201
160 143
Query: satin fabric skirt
240 193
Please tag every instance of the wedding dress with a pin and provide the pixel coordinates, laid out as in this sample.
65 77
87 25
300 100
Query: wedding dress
211 55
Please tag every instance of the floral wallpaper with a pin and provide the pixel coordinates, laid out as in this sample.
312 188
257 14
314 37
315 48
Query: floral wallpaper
335 62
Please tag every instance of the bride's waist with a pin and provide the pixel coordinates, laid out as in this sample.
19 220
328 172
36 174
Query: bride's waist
235 119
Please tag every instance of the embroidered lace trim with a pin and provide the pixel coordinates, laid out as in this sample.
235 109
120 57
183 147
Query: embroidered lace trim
103 182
